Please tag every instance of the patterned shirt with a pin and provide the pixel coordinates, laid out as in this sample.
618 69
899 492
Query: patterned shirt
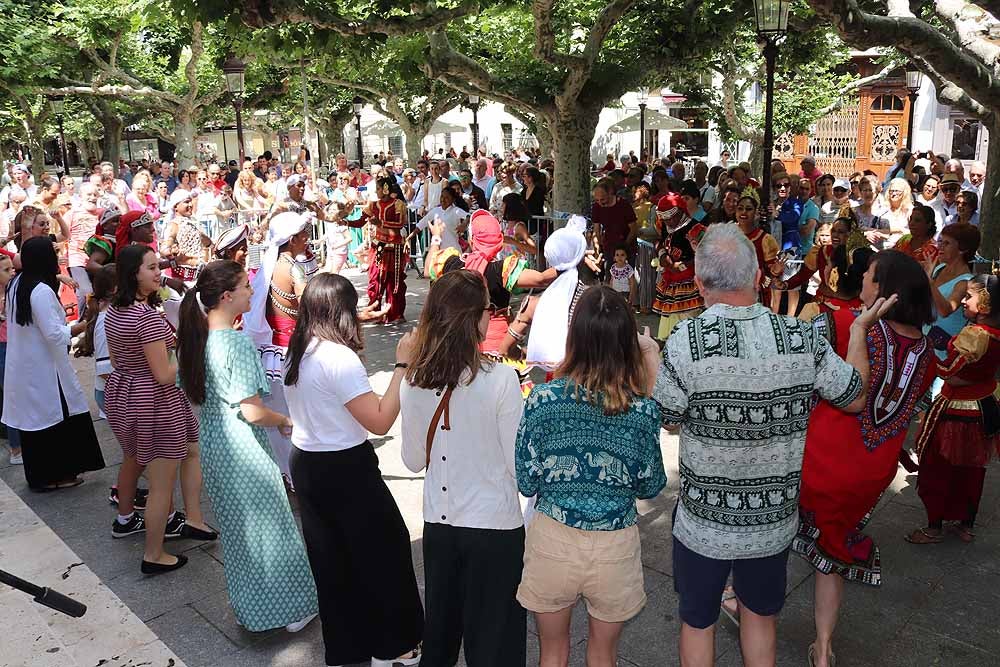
739 380
586 467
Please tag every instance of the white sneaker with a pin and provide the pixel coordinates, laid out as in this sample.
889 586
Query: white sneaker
411 659
17 460
298 625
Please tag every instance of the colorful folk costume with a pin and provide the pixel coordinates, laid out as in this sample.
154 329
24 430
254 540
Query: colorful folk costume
500 274
677 298
851 459
959 434
270 323
564 251
387 258
766 248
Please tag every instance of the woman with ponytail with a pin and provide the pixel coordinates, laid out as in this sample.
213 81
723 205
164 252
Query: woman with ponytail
267 572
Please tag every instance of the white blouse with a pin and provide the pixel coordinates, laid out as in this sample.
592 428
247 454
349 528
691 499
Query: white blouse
38 364
471 479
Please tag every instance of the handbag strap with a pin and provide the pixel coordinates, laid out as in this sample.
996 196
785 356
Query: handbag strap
442 408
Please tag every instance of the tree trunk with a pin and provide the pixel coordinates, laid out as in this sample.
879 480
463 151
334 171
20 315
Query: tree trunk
35 138
184 131
571 139
544 138
413 149
112 139
989 223
84 152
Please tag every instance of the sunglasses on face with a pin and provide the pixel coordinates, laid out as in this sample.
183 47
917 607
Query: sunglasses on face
783 185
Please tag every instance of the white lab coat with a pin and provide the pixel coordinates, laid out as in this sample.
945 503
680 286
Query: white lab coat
38 364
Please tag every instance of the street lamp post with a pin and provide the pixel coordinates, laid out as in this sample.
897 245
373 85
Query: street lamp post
234 68
643 100
358 105
474 105
771 17
57 102
914 78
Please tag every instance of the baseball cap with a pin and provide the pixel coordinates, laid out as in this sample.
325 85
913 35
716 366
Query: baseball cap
842 183
21 168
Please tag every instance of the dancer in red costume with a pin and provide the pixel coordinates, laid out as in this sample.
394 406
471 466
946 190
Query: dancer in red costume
388 255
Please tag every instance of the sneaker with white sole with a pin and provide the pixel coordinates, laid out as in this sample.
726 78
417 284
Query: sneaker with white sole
298 625
133 526
17 460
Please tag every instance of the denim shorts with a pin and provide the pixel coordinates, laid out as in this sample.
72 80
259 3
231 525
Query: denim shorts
99 399
699 581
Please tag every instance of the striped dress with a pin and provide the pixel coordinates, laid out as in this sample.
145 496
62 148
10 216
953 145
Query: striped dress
150 420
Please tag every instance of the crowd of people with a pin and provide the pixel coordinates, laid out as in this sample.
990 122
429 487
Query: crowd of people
802 332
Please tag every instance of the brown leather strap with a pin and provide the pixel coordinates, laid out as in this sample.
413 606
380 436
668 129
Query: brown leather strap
442 408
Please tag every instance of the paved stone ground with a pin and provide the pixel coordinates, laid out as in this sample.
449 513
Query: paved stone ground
934 608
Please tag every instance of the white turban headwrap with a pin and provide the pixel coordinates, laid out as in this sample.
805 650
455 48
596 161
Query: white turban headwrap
564 250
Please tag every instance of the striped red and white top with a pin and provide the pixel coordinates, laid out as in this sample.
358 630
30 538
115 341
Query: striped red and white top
149 419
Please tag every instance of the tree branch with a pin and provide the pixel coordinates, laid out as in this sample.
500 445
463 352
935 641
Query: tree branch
917 39
952 95
191 68
153 97
263 13
844 93
545 38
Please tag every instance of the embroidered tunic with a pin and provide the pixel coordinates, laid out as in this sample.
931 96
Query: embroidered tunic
740 382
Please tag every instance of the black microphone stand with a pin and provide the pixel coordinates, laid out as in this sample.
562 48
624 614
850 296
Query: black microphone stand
45 596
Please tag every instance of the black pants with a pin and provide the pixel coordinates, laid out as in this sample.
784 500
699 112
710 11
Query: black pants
359 553
472 576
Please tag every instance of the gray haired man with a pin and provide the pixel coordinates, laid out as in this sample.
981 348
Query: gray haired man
739 381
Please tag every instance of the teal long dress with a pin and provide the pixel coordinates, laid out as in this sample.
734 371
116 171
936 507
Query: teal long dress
267 570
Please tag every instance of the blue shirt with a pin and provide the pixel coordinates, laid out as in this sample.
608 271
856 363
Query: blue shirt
171 183
587 468
788 215
810 211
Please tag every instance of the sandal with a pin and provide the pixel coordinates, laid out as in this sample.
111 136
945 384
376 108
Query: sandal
921 536
58 486
811 657
727 595
964 533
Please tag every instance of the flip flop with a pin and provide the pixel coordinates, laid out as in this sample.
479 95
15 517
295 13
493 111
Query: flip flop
727 595
921 536
811 657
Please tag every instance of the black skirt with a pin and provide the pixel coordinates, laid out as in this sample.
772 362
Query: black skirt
360 554
60 452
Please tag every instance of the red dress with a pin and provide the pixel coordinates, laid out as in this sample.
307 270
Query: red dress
387 258
960 433
851 459
767 249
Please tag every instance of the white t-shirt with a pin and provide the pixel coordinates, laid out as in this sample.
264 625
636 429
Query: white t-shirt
330 376
102 360
452 217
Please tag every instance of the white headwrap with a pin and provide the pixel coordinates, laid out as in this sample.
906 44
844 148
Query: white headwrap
577 223
176 197
281 228
564 250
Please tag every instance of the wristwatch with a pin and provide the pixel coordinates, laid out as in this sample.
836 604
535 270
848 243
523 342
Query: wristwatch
401 365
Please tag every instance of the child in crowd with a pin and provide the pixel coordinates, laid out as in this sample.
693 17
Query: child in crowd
94 343
6 274
622 276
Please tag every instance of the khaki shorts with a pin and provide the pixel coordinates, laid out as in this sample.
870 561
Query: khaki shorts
562 563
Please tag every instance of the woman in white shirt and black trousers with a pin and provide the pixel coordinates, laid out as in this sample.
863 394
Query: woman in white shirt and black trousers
357 542
44 400
460 417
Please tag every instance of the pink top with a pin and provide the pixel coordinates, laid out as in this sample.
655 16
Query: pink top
150 207
82 225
